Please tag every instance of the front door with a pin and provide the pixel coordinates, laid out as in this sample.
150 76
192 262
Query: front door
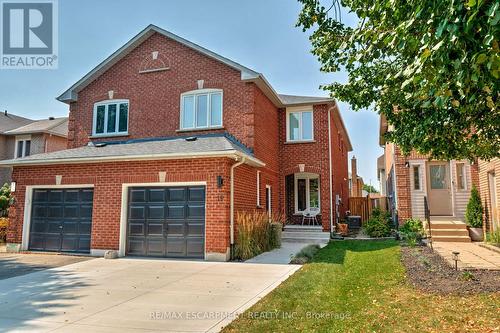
493 199
438 188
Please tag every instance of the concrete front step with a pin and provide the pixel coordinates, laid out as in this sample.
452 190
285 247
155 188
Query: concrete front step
305 235
449 232
300 228
448 225
458 239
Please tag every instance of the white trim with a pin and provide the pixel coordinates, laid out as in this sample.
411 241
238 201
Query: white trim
106 103
269 196
307 176
28 197
122 245
195 94
258 188
23 139
464 176
301 111
77 160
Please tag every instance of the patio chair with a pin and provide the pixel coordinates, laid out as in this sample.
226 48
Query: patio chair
310 215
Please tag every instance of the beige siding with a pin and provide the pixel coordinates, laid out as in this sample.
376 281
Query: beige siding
486 167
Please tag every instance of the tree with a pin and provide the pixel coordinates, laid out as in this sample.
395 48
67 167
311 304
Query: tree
5 199
369 188
474 211
432 68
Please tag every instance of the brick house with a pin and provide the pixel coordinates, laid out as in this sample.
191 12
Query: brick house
489 187
167 141
21 137
446 186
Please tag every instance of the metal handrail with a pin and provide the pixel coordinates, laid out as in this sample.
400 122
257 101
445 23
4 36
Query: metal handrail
427 213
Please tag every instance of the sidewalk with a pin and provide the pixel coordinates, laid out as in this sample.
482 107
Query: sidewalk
282 255
472 255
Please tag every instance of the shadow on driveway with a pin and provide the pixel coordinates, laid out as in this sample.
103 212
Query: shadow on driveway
17 264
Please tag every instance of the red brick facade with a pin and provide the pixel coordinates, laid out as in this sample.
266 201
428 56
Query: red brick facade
154 111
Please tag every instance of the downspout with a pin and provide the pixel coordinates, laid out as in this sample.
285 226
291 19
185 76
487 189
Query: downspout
231 204
330 169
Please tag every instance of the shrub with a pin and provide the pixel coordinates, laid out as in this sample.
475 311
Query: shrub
4 222
257 232
411 232
6 200
379 224
305 255
493 237
474 212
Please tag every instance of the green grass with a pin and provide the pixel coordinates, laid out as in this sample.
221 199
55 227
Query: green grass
360 286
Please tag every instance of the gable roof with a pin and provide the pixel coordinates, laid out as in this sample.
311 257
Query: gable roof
10 121
55 126
247 74
291 100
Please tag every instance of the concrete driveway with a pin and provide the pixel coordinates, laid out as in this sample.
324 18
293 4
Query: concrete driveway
135 295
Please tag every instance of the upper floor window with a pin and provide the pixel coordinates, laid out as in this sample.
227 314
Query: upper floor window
299 126
110 118
23 147
201 109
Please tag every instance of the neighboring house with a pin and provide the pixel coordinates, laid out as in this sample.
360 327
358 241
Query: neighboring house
446 186
7 144
355 181
381 175
32 137
489 184
168 141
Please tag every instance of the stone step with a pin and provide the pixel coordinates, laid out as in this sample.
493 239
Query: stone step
298 236
305 240
450 232
458 239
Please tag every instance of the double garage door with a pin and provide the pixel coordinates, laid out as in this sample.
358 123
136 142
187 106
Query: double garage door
161 221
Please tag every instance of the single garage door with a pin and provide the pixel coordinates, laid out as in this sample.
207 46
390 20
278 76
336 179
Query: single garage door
61 220
166 222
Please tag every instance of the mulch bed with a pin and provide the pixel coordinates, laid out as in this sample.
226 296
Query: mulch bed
429 272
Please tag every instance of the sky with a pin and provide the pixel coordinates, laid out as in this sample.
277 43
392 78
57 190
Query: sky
259 34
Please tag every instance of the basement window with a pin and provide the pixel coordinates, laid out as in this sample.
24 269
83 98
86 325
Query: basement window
110 118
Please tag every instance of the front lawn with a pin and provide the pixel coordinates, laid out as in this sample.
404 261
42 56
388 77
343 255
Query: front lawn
360 286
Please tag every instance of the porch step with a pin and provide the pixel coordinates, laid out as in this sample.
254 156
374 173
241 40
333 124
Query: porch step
305 234
448 225
459 239
449 232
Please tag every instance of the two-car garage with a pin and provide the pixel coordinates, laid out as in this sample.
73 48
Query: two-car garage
167 221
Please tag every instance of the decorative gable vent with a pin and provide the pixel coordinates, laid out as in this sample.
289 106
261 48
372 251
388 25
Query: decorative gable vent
154 62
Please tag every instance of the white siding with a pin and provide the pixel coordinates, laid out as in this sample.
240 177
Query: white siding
417 196
461 197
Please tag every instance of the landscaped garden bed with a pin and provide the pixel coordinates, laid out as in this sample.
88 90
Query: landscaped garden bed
428 271
361 286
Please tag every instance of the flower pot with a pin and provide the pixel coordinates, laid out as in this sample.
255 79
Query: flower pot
476 234
343 229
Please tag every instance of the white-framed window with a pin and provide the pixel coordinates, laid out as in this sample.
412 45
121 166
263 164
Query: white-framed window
111 118
23 147
461 177
416 178
201 109
258 188
269 200
299 125
306 191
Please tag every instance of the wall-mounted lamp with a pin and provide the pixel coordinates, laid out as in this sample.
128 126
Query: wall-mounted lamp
407 164
13 187
220 181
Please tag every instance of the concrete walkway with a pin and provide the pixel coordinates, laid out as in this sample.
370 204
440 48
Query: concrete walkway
282 255
135 295
472 255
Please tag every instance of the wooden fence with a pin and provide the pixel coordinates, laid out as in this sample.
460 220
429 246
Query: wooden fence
363 206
